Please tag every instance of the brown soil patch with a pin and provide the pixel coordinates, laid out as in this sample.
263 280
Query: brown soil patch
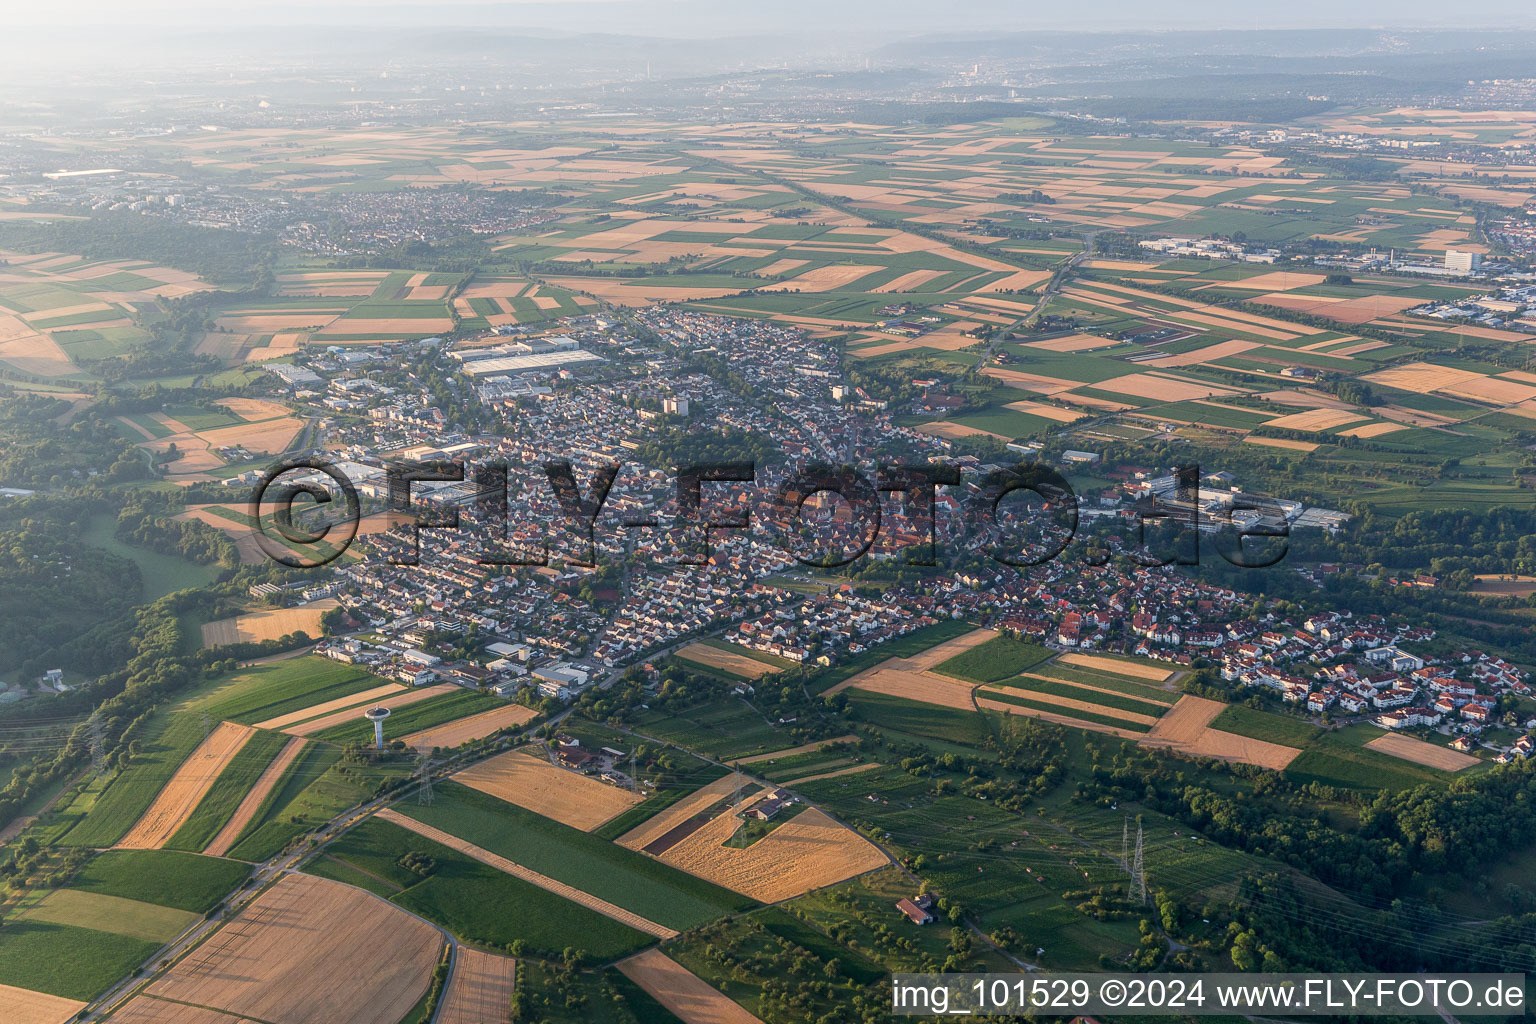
267 624
268 436
149 1010
954 431
681 991
1280 442
355 714
1116 667
736 664
528 780
386 329
1162 389
1050 412
1419 752
1422 378
266 963
481 989
23 1006
528 875
1315 419
252 800
1187 729
807 852
350 701
1372 430
451 734
647 832
187 787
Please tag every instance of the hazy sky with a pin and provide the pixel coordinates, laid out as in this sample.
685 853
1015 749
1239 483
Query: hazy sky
715 17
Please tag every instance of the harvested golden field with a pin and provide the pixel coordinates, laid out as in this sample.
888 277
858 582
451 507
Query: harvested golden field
1050 412
253 409
23 1006
1280 442
528 875
267 624
355 713
1315 419
1430 755
251 802
271 436
1219 350
481 989
352 700
697 802
910 281
955 431
1114 666
1187 730
924 687
1072 704
186 789
1162 388
149 1010
804 748
1422 377
1007 708
681 991
309 951
383 329
451 734
1372 430
528 780
736 664
807 852
147 921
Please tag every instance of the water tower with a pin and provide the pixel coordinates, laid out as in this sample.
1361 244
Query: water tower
377 716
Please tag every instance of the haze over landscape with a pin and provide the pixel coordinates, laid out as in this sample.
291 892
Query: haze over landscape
654 511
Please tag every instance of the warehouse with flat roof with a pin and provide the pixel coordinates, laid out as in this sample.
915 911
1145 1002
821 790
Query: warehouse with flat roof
538 362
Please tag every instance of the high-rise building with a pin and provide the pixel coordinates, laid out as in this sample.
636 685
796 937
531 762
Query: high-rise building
1462 262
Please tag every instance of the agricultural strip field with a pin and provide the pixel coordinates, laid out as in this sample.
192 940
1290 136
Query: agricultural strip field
681 991
595 866
162 877
807 852
227 792
737 664
23 1006
1187 729
474 727
425 714
267 624
679 814
804 748
330 727
263 692
168 740
62 960
1420 752
993 660
186 789
262 964
476 902
523 778
481 989
131 918
1264 725
310 791
242 816
518 871
354 700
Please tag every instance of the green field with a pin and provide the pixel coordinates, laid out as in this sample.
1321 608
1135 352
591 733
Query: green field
480 904
915 642
1109 700
263 692
160 574
1261 725
131 918
219 803
622 877
77 963
998 658
163 877
1339 758
168 739
309 793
